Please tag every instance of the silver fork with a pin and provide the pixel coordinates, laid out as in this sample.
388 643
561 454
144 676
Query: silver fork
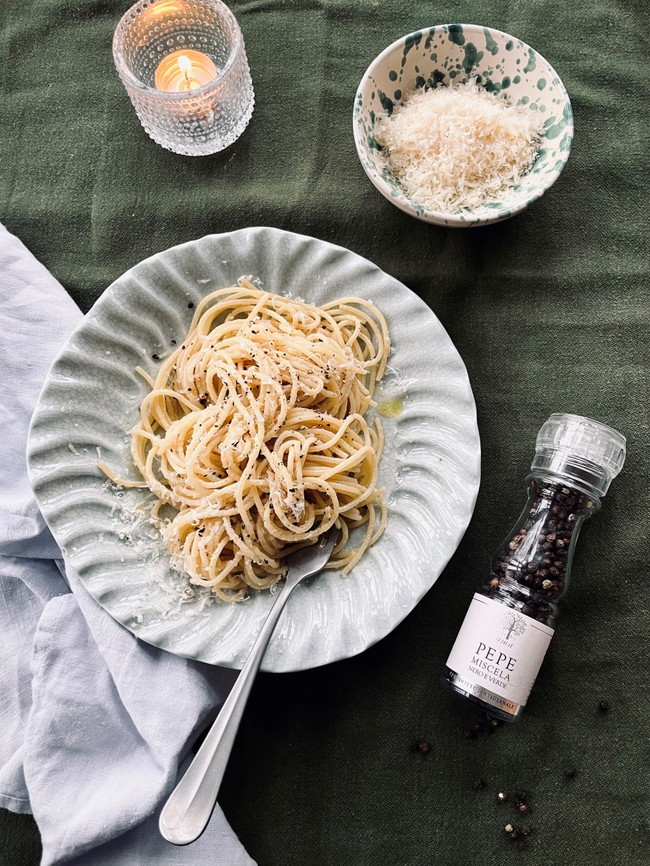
187 811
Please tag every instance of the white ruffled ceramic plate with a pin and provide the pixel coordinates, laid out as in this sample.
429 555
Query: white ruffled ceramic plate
430 466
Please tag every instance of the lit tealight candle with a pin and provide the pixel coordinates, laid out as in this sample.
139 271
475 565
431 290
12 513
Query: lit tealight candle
184 70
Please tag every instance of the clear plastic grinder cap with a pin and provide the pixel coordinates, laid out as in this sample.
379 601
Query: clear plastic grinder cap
587 452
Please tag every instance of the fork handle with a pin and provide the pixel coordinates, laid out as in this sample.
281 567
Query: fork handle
187 811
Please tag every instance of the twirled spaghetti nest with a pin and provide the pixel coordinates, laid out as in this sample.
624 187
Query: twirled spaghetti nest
254 434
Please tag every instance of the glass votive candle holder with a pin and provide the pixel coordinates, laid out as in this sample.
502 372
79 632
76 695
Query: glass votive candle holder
184 66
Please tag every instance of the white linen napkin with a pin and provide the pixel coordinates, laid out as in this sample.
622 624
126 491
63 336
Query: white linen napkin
94 722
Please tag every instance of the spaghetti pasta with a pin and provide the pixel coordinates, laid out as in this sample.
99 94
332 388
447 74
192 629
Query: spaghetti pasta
253 436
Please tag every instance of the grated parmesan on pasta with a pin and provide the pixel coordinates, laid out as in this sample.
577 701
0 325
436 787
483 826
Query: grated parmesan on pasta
459 146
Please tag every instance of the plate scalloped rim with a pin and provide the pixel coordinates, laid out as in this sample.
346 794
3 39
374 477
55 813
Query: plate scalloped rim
430 466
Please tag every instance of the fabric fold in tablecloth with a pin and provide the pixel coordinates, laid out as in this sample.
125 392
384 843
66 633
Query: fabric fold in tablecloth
94 721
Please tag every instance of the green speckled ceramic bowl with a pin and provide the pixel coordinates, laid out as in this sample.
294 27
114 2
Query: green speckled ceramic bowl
450 53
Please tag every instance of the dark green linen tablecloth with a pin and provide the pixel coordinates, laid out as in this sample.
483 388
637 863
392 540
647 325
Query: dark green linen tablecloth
550 312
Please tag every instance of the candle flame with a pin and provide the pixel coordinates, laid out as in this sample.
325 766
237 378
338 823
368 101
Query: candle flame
184 64
183 70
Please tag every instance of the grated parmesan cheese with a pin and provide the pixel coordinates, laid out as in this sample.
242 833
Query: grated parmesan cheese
459 146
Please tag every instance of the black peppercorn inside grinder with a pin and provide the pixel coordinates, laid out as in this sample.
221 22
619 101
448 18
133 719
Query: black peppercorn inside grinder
508 627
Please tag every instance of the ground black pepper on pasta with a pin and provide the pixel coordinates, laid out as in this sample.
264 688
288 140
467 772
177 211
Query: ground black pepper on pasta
253 436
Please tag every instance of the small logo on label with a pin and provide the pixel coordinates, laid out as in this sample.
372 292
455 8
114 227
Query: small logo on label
513 625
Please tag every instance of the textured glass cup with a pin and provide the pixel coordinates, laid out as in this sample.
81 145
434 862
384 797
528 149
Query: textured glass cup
190 109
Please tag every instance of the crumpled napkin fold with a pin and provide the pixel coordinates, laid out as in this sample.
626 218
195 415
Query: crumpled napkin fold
95 723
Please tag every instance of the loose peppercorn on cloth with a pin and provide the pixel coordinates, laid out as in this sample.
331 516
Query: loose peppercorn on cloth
549 311
94 722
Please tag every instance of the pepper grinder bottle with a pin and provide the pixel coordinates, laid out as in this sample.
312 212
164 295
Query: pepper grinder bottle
509 624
